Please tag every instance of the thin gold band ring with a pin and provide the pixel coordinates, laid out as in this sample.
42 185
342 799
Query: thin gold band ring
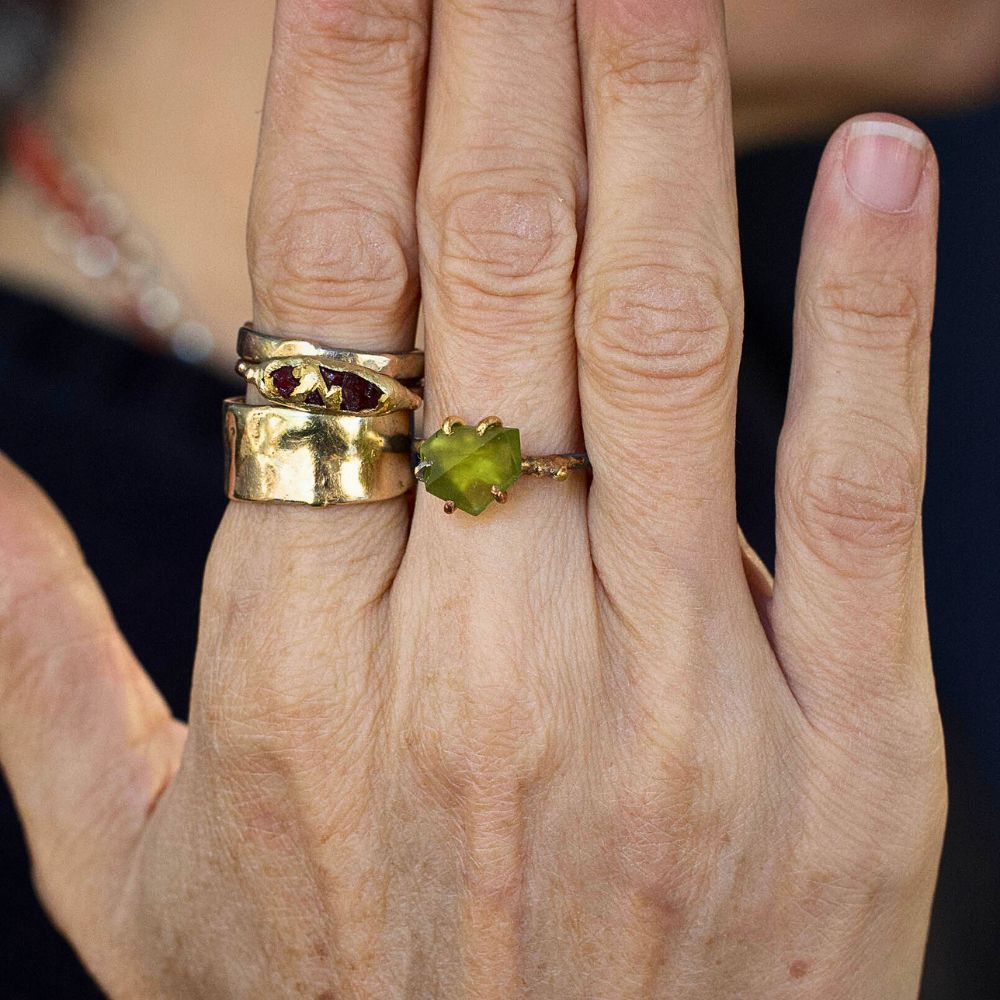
254 346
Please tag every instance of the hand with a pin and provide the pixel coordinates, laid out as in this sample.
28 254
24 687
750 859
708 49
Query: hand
802 67
580 746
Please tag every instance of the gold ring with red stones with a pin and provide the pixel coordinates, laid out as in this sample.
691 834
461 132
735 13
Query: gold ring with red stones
320 425
320 385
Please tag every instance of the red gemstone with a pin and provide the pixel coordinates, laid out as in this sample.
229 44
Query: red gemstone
315 398
359 393
356 393
284 381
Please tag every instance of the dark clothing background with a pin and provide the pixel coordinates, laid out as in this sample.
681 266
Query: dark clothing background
129 447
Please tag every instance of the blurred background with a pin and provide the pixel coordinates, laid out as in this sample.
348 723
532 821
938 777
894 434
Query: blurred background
127 132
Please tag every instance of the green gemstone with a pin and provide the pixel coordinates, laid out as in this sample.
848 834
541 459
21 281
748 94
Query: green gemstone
464 466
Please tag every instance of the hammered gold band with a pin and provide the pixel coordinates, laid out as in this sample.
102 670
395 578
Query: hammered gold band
280 454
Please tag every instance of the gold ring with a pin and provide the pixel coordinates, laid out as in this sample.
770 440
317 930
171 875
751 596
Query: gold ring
324 386
254 346
472 467
279 454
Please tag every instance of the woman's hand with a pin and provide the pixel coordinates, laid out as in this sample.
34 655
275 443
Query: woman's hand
580 746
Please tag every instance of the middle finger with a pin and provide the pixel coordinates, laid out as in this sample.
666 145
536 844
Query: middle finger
501 173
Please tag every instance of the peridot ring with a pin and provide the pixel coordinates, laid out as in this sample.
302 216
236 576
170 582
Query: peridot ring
471 468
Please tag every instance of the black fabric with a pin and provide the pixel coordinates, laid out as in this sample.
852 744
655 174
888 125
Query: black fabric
118 429
128 446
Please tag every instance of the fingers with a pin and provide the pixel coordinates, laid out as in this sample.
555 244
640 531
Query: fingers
848 600
503 167
332 238
332 253
659 310
86 741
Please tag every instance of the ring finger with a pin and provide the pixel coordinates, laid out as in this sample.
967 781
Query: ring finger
660 304
332 255
502 172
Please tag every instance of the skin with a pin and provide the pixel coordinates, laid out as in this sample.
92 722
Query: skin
835 60
582 746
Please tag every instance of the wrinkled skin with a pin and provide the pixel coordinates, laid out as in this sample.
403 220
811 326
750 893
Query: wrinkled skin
582 746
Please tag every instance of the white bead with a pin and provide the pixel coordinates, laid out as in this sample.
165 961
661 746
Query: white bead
159 308
95 256
62 231
192 342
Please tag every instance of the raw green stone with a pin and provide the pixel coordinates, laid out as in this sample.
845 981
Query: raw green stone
463 467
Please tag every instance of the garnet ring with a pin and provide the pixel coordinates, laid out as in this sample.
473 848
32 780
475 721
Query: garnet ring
471 468
320 425
316 385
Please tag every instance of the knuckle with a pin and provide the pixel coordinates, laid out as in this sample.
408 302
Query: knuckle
682 800
500 243
368 38
654 324
892 842
333 259
872 310
866 497
651 67
284 724
480 761
490 740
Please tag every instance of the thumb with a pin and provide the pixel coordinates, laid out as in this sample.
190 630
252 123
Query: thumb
86 741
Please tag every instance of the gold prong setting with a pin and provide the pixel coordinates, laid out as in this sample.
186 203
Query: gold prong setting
472 467
486 423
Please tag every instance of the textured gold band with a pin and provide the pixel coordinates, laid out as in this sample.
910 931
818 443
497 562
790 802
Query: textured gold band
254 346
284 455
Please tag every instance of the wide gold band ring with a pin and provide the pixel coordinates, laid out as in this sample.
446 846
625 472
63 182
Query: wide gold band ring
279 454
253 346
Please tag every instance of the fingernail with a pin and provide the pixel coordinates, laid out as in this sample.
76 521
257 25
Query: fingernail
885 164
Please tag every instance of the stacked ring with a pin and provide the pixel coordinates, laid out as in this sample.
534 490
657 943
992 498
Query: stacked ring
329 425
319 425
251 345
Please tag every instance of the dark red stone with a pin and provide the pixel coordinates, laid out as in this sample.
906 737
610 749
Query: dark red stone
315 398
356 393
284 381
359 393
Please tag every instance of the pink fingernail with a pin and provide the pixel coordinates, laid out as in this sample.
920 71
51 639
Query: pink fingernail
885 164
